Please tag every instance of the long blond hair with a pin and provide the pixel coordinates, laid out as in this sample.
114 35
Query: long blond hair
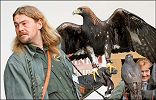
49 36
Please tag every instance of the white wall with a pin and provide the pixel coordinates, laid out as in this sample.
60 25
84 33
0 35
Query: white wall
58 12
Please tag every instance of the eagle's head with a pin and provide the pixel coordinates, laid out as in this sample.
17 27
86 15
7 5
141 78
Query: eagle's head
87 14
83 11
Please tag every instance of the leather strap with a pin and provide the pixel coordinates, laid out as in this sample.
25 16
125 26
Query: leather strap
47 76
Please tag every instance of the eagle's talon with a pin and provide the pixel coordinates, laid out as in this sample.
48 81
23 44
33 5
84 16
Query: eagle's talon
95 72
110 66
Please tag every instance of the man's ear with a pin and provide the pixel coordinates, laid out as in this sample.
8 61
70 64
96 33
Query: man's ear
39 24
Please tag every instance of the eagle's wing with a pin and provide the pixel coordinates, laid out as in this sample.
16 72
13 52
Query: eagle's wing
132 33
72 40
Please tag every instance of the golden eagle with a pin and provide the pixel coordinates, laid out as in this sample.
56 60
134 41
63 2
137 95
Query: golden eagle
121 32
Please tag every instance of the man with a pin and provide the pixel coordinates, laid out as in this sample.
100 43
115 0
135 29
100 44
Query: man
25 75
148 84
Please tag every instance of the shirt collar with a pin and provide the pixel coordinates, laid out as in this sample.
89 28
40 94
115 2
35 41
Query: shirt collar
32 50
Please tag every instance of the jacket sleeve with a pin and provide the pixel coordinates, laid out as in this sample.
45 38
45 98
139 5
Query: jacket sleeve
118 91
16 82
149 94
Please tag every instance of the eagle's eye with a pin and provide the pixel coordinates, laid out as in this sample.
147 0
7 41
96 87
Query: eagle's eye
80 9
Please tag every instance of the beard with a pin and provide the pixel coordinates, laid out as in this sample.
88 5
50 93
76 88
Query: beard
24 39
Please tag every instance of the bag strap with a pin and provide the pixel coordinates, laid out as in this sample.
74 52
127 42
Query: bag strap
47 76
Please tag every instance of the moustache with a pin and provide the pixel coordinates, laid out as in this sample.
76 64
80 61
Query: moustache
22 33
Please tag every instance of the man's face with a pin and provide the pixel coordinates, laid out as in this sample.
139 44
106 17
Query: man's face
145 72
26 28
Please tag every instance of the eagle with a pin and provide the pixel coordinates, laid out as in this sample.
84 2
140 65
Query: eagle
131 75
123 31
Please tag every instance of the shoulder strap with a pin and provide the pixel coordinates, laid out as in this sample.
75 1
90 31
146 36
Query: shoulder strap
47 76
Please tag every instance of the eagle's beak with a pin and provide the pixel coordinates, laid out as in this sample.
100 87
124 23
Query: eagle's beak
77 11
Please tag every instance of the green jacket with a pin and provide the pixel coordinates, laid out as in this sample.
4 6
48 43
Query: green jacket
117 93
25 74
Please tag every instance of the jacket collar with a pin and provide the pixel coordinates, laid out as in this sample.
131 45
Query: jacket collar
32 50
